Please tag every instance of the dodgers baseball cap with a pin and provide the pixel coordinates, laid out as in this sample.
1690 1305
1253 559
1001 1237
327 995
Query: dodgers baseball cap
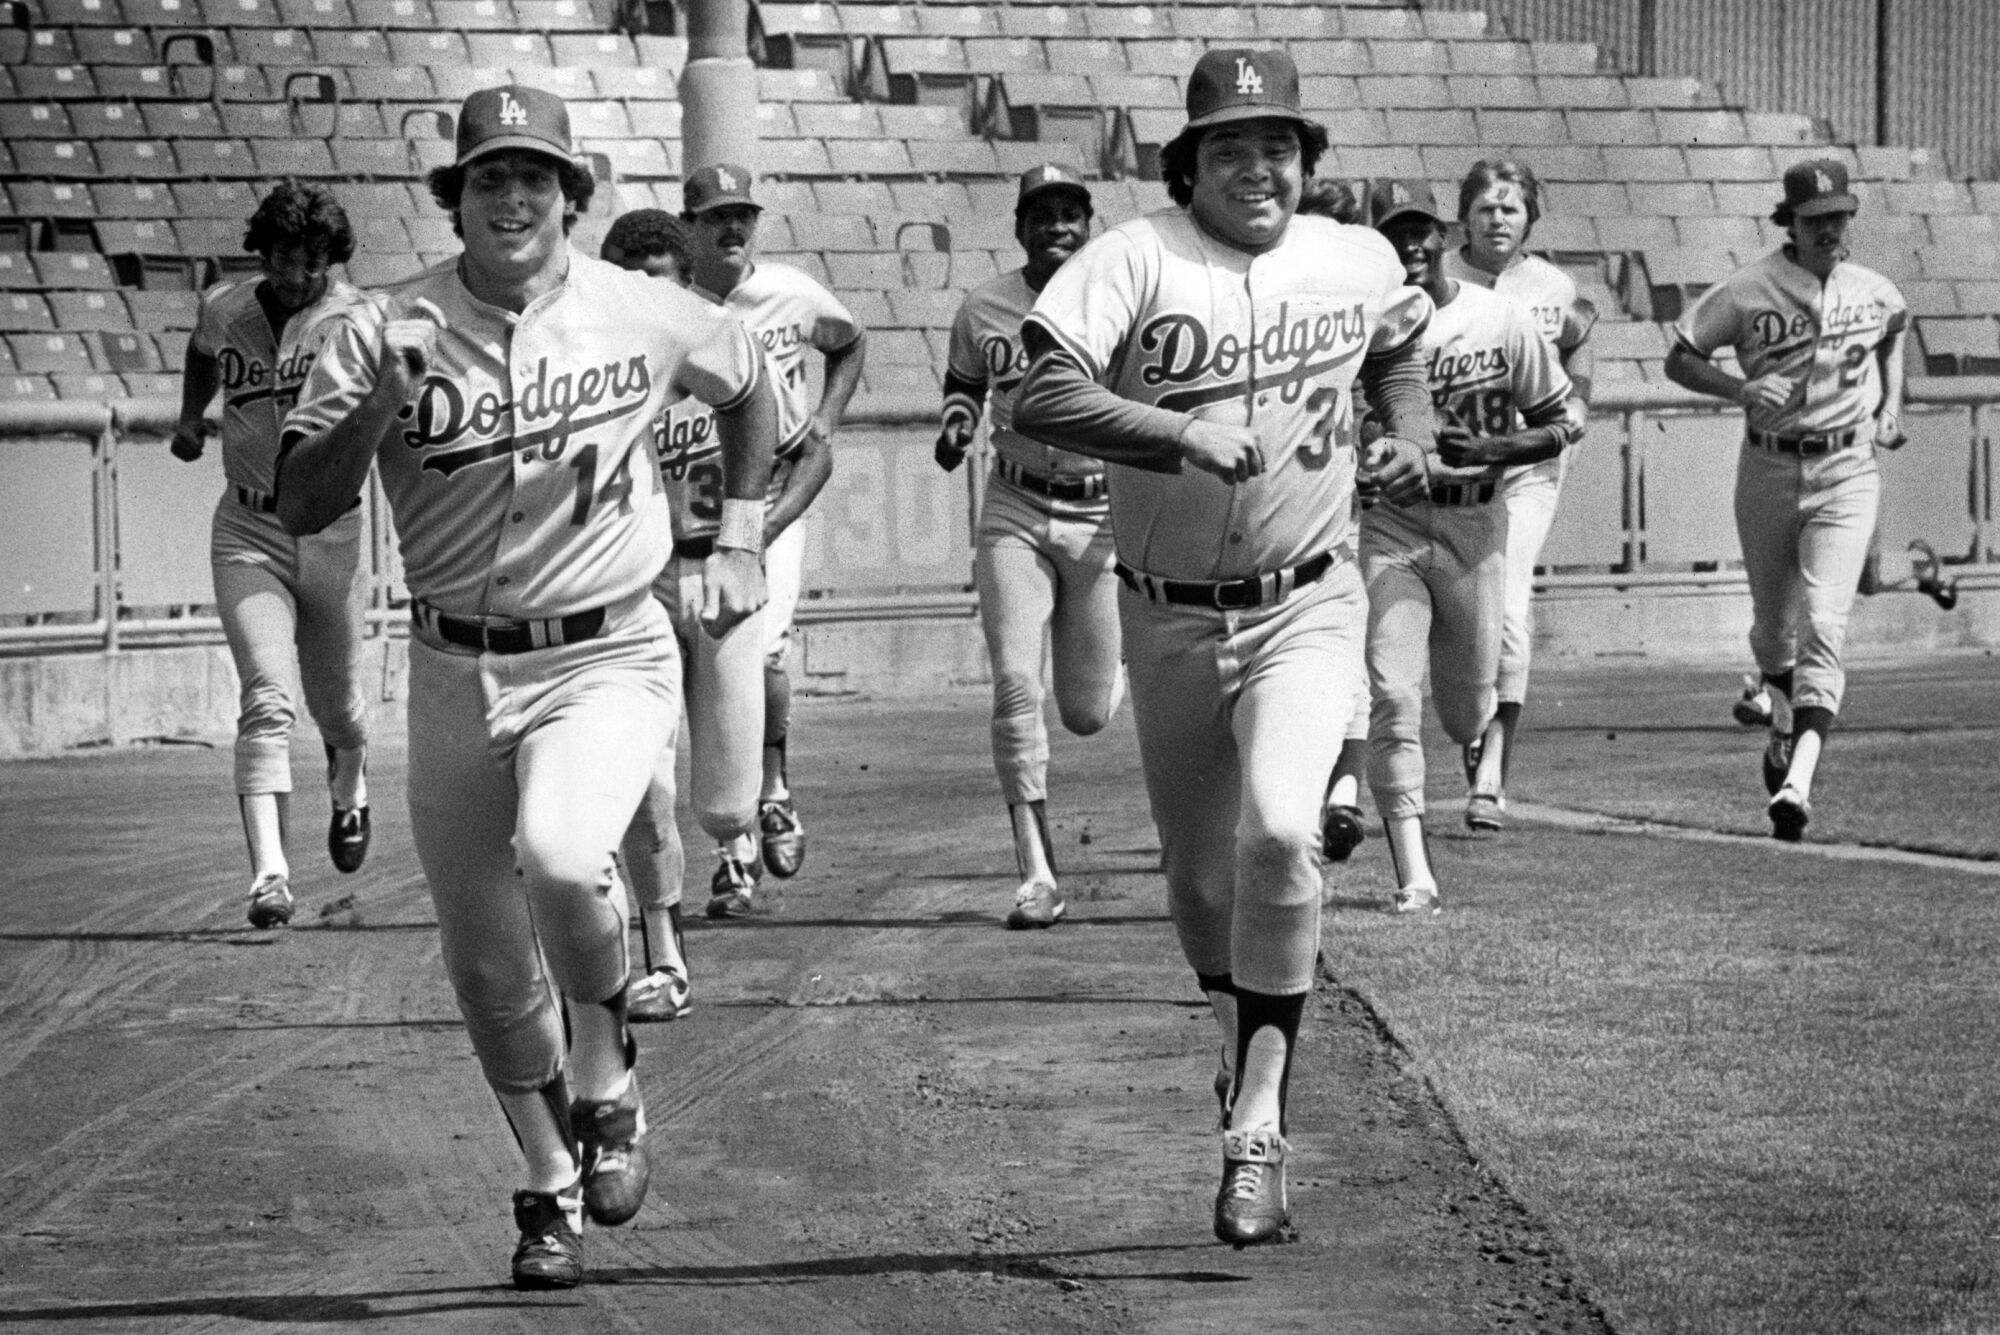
1047 177
513 116
1816 186
1389 199
1238 84
713 187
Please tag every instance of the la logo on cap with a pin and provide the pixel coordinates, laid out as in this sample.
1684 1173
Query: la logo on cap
1248 81
512 112
724 180
1400 194
1822 182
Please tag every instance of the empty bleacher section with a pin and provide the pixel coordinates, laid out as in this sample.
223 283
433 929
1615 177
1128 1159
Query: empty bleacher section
135 136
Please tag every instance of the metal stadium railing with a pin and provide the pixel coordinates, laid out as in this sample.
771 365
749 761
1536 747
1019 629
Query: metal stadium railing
107 548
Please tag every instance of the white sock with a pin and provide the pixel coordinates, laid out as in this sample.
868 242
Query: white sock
1346 791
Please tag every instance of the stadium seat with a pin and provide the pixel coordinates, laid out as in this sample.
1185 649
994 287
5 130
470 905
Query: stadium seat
62 199
24 312
49 353
59 83
1968 345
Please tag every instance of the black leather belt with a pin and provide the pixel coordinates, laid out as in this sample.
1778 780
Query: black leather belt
1229 595
1055 488
695 549
501 636
268 505
1806 446
1462 493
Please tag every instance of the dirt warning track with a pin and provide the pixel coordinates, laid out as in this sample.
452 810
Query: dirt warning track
885 1113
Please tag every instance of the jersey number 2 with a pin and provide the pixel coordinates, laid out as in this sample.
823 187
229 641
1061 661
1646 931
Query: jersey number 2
617 488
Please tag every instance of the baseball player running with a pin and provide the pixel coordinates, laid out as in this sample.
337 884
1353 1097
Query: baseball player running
722 678
788 312
1499 202
1435 568
1341 823
1209 352
1820 341
1043 567
510 398
254 341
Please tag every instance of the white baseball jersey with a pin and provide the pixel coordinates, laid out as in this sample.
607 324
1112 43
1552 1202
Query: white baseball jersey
986 350
788 312
520 472
1540 291
1489 370
690 455
1161 313
1823 336
260 373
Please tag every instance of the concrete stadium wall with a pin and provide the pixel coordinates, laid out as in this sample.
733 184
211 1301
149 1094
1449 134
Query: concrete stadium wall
57 703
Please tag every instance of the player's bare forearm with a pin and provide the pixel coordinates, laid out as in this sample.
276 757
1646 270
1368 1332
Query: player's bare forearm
198 384
320 474
843 377
958 419
808 478
1059 405
748 434
1889 417
1702 375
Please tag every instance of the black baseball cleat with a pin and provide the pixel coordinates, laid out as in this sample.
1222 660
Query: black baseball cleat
732 891
270 902
782 836
347 838
1789 812
1777 762
1753 708
1250 1207
616 1171
550 1253
1340 833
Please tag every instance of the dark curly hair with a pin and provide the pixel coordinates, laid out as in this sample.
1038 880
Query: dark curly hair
649 232
1177 158
1327 198
447 187
297 213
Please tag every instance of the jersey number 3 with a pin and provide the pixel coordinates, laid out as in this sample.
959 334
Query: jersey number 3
1317 452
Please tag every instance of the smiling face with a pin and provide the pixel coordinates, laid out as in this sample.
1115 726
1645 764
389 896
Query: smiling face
295 276
1820 242
1496 226
512 211
724 240
1419 243
1052 226
1247 179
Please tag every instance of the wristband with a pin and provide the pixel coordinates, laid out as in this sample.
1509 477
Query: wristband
742 525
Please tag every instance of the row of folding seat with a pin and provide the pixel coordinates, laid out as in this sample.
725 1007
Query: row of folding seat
118 310
98 47
654 80
1177 55
81 351
461 15
91 387
1272 22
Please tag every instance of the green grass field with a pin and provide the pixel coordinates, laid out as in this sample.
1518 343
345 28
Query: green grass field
1751 1086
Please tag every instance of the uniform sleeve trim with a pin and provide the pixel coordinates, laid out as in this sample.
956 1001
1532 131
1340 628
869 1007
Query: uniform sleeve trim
742 396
